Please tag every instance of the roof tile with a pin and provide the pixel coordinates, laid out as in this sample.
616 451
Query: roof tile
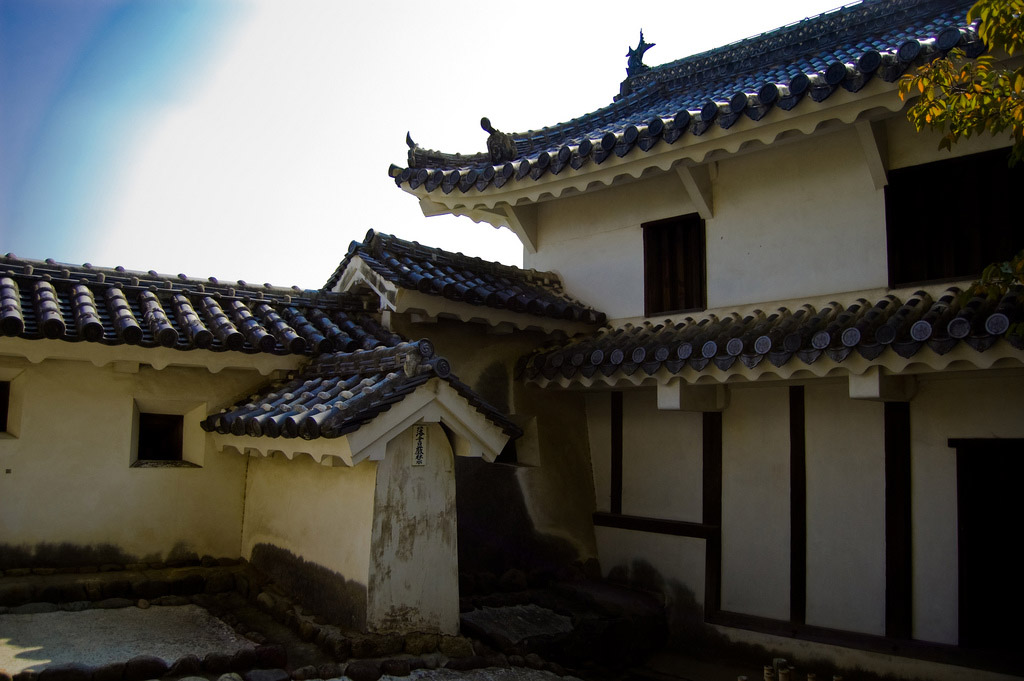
339 392
811 58
833 330
461 278
45 299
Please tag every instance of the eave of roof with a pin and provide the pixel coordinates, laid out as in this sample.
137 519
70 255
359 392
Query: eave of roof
902 332
859 49
339 393
41 300
411 277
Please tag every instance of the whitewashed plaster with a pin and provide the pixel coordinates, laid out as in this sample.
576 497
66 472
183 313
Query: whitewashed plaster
70 479
755 502
322 514
954 405
413 566
662 459
845 466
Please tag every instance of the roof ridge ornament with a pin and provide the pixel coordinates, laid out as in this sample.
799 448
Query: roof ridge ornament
635 66
500 146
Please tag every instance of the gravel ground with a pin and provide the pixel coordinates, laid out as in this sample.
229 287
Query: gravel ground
97 637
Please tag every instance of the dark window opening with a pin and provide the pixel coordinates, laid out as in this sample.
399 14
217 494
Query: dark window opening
674 271
989 517
160 437
950 219
5 404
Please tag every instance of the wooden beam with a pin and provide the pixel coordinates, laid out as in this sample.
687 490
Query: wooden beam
874 143
523 221
616 447
711 511
697 182
899 584
797 506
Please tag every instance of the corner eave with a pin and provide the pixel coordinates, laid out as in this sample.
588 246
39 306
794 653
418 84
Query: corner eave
877 98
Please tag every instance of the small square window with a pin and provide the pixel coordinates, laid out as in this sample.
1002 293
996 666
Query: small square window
674 270
160 437
166 433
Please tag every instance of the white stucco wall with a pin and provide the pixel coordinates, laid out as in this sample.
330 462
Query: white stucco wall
595 243
845 465
662 459
789 220
599 432
414 580
755 502
321 514
954 405
675 565
786 220
66 477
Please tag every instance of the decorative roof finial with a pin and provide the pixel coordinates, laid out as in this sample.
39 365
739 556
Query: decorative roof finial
635 65
500 146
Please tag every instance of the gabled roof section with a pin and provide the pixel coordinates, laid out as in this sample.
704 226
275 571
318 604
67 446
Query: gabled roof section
931 330
340 393
478 288
678 102
50 300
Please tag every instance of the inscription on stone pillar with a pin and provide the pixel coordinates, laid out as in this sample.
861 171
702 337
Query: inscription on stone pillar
419 445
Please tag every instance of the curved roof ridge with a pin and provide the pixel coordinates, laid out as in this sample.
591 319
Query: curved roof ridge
841 49
11 264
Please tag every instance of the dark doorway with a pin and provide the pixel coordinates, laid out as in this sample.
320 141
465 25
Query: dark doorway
990 516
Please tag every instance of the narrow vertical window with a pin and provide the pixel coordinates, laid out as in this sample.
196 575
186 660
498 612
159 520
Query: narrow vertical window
674 271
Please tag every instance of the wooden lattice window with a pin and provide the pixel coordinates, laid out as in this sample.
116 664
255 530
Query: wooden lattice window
674 269
952 218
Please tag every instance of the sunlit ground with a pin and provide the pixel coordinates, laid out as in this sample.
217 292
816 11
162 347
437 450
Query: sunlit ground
98 637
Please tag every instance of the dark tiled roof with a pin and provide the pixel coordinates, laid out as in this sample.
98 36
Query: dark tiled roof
806 334
461 278
339 392
46 299
813 58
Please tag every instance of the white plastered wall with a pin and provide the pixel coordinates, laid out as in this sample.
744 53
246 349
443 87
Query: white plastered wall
414 581
70 480
595 244
673 565
795 220
955 405
786 221
320 513
755 502
845 465
662 459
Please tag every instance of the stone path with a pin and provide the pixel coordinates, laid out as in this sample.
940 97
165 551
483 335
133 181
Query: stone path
98 637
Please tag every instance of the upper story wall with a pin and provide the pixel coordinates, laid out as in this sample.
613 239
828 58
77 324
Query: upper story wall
798 219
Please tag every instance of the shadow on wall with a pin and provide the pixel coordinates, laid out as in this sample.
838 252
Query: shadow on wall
496 532
66 554
318 589
689 635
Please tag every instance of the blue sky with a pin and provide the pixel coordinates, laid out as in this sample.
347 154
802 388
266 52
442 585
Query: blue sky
251 139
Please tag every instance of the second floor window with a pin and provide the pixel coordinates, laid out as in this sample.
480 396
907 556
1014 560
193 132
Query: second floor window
952 218
674 270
